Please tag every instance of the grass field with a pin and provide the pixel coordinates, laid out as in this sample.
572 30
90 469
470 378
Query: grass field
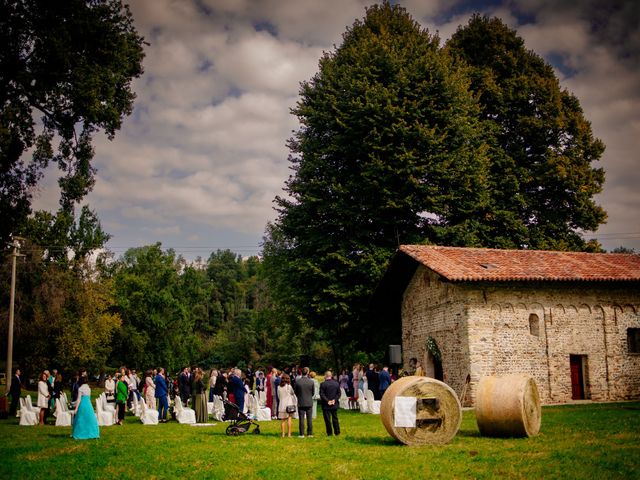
600 441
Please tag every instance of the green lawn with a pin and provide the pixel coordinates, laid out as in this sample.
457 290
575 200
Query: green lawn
600 441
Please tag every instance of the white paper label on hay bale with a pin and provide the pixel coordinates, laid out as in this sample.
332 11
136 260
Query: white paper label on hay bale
405 412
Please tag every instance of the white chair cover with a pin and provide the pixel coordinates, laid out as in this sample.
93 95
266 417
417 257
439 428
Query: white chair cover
343 401
373 405
63 417
184 414
64 402
264 414
252 406
105 419
27 417
362 402
148 416
218 408
29 404
136 408
106 406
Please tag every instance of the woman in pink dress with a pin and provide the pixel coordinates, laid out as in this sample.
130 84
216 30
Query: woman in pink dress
356 380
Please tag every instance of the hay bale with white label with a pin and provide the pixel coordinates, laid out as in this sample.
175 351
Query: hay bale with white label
420 411
508 406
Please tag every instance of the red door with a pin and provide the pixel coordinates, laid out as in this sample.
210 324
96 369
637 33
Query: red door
577 388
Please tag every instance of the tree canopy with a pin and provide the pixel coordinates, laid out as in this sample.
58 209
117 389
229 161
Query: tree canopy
404 141
542 148
66 68
390 150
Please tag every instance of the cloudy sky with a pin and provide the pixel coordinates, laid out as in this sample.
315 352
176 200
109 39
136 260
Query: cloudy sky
199 162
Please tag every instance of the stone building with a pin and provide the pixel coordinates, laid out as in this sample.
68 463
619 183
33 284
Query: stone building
569 320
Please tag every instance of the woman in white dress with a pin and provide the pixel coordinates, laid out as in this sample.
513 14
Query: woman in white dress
43 396
213 377
356 380
150 390
286 398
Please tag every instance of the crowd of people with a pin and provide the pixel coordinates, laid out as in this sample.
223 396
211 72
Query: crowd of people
292 391
50 389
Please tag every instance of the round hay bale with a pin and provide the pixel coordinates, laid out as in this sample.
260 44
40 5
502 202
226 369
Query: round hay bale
508 406
421 410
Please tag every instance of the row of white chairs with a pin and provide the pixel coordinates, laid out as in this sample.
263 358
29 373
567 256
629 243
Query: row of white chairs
106 412
366 402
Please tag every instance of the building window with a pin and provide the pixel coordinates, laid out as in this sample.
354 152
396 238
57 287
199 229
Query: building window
633 340
534 325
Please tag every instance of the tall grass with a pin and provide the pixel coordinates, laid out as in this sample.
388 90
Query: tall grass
600 441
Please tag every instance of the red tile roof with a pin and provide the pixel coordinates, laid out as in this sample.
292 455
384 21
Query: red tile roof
484 264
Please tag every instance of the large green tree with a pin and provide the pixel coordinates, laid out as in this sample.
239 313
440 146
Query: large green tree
63 309
157 325
542 148
389 150
66 68
63 238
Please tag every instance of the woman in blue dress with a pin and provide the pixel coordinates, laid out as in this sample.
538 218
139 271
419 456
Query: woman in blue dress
85 423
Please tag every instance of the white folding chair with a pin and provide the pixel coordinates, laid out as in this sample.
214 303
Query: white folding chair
31 407
64 402
63 417
373 405
148 416
27 417
252 406
184 414
136 409
218 408
343 401
105 419
362 402
264 414
106 406
262 398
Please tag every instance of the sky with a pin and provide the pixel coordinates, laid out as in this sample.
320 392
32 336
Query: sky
198 163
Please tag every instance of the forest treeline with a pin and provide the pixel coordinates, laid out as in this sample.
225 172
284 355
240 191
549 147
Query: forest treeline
150 307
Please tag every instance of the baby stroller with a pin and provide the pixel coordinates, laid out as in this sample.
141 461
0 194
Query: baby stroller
240 423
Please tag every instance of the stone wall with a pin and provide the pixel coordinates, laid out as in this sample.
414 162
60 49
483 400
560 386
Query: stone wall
434 308
531 328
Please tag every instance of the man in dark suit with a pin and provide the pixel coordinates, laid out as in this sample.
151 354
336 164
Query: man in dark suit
14 390
304 392
373 381
329 395
385 380
184 382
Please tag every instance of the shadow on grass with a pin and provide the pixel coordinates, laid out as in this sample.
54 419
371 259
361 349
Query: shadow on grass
377 441
468 433
630 407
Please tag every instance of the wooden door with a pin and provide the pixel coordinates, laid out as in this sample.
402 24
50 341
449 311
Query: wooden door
577 378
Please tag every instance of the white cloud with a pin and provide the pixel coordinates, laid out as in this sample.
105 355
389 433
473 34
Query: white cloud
204 154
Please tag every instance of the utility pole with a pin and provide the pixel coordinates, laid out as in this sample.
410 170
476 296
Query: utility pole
15 254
